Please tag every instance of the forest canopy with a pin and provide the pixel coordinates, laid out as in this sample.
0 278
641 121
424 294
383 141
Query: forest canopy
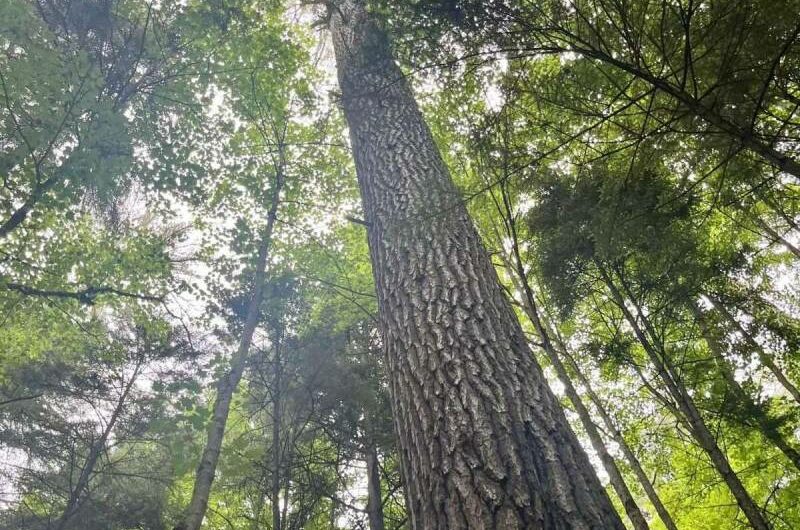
433 264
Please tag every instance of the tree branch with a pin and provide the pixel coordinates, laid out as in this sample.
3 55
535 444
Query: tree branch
85 296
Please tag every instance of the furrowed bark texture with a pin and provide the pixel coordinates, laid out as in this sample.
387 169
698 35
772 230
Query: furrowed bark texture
483 442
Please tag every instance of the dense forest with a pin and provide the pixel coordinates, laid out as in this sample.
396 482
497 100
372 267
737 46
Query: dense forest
430 264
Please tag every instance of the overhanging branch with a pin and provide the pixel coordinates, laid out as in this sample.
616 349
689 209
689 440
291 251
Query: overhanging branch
85 296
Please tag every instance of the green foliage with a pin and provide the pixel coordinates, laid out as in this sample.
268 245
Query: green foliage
610 144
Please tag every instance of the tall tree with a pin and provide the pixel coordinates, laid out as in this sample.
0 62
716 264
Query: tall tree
768 426
227 385
483 441
765 358
513 262
651 142
684 402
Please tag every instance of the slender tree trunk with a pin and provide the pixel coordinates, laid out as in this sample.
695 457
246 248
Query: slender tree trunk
206 469
778 238
611 427
374 496
770 232
263 487
255 523
765 358
276 438
755 411
521 283
483 442
622 491
286 481
687 407
617 436
776 208
76 496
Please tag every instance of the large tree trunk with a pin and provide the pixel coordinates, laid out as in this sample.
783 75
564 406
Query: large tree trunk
685 404
483 442
206 469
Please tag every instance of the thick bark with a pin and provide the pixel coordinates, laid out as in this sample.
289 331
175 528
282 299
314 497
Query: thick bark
686 405
765 358
520 281
483 442
77 495
374 496
206 469
753 409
